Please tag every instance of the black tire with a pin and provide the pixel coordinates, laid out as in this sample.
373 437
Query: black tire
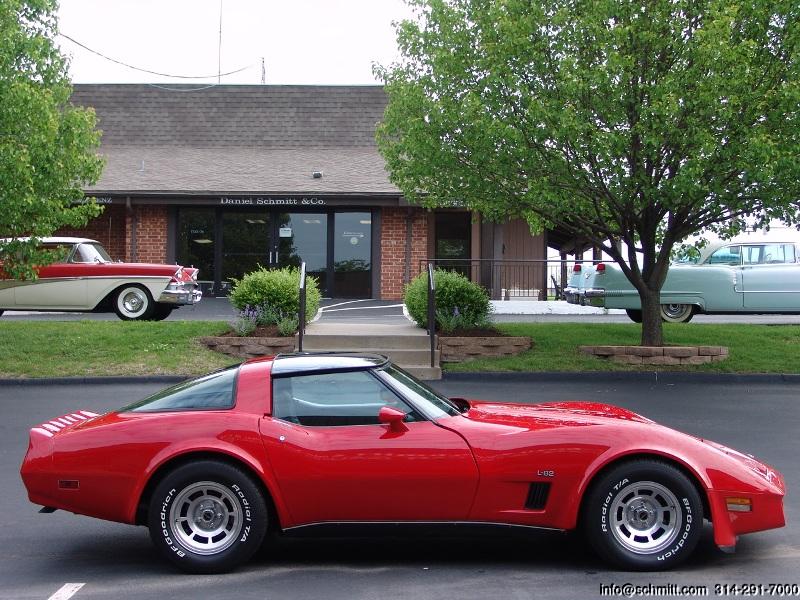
1 313
133 303
634 315
643 515
207 497
677 313
161 312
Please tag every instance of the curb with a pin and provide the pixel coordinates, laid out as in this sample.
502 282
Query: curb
626 376
125 380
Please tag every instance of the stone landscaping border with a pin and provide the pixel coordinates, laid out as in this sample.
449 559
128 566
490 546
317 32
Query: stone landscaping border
659 355
249 347
460 349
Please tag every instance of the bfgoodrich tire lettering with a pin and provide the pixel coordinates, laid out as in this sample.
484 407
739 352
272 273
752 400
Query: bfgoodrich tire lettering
207 517
643 515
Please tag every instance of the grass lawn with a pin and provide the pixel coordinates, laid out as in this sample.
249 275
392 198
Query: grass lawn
91 348
753 348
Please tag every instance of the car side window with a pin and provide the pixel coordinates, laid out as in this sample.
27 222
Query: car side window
215 391
334 399
777 254
87 253
727 255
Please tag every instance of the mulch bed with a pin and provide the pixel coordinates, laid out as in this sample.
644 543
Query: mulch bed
265 331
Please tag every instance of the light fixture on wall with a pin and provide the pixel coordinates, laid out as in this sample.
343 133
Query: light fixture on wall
316 174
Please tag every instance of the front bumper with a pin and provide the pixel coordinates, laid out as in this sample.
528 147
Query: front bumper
585 297
180 296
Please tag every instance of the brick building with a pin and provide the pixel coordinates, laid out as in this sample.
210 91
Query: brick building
226 178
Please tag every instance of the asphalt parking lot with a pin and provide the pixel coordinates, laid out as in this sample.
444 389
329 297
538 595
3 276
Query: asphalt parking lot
42 552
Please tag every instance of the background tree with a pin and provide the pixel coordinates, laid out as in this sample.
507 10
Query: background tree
643 121
47 146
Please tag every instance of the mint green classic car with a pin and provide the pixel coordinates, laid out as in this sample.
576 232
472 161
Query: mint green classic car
728 278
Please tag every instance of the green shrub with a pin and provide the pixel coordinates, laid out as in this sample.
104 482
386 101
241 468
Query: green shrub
287 326
275 293
460 303
245 324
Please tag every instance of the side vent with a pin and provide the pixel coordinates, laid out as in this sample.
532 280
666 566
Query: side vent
537 496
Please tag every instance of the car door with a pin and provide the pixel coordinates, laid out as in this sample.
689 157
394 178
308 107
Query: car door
334 461
61 284
770 278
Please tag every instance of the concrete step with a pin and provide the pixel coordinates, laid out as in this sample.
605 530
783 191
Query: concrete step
424 373
400 356
361 342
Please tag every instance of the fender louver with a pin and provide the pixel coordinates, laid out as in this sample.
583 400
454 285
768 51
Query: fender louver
537 496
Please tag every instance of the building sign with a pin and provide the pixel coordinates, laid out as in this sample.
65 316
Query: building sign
263 201
97 199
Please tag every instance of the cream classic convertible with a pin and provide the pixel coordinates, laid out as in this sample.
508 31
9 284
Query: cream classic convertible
728 278
87 280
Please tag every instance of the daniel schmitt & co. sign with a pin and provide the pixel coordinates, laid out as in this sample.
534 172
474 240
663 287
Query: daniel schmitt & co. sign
265 201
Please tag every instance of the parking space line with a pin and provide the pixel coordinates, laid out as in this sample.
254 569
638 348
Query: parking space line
363 308
66 591
346 302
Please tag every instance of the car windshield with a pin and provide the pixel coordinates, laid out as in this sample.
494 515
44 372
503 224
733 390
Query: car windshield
432 404
90 253
214 391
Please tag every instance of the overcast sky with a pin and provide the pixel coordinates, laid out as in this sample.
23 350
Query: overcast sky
301 41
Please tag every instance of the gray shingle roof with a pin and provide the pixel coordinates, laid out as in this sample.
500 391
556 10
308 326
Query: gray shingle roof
238 138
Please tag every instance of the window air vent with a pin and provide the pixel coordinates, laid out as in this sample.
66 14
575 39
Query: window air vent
537 496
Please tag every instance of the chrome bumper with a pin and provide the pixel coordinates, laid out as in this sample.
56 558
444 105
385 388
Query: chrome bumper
585 297
180 296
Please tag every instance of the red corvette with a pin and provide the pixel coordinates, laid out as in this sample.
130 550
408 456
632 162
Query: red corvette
301 440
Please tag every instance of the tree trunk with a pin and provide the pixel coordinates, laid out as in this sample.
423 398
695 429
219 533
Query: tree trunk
652 333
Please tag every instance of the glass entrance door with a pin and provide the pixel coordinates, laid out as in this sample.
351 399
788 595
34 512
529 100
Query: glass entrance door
229 243
302 237
245 243
352 255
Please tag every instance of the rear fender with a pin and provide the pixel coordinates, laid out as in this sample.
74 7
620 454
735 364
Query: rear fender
173 455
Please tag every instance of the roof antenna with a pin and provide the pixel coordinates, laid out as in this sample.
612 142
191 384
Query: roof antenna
263 72
219 47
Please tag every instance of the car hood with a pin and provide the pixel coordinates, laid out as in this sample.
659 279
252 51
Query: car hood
553 413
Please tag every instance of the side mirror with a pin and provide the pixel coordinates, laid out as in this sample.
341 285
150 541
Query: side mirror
393 418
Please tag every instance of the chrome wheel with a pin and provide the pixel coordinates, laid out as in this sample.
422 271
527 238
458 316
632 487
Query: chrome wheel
677 313
644 517
206 518
133 301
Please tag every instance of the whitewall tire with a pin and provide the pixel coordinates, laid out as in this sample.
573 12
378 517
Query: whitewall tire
133 303
677 313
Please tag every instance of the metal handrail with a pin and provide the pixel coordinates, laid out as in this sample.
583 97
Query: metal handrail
432 313
301 310
505 279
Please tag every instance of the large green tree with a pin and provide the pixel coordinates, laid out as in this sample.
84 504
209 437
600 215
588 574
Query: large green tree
640 121
47 147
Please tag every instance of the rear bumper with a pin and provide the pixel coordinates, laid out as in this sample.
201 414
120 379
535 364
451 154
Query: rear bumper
585 297
180 297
